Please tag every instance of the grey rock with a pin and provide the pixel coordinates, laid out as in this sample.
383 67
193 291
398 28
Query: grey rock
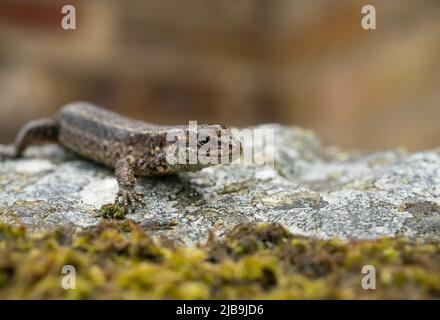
311 190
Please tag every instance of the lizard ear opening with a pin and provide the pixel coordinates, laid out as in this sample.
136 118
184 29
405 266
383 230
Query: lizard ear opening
142 163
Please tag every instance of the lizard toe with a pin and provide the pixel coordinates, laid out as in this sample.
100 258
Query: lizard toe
139 196
130 199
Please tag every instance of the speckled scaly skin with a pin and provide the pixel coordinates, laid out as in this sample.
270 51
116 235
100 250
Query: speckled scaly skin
131 147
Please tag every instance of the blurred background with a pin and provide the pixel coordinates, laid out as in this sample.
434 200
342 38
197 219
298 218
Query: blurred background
244 62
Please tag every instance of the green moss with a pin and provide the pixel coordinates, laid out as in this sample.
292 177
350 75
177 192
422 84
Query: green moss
112 211
118 259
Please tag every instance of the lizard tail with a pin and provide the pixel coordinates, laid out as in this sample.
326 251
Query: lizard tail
35 132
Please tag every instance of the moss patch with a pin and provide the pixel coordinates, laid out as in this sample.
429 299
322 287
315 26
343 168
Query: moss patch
112 211
118 259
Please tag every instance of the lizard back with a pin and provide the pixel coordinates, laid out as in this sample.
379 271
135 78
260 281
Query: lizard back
101 135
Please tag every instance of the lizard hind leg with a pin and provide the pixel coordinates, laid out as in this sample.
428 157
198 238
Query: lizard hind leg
33 133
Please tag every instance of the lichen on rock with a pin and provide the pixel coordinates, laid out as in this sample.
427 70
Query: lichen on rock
313 191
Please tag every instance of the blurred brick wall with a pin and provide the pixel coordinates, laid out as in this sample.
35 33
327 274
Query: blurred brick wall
244 62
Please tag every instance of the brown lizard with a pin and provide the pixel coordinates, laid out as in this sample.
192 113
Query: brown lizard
130 147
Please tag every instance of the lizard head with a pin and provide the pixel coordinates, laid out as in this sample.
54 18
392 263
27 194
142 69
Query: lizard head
193 148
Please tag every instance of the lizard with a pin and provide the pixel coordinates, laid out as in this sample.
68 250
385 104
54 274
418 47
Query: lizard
130 147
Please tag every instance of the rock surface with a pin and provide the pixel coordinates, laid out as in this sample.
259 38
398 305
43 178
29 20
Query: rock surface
311 190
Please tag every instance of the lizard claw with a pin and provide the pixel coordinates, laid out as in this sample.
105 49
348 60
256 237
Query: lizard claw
130 198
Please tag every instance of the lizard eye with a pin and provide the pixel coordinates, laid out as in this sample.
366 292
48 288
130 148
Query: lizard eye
203 141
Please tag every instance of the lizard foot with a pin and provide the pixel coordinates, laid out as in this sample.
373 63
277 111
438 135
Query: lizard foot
130 198
7 152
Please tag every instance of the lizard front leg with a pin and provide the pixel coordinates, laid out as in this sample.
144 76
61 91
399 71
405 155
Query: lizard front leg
124 171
